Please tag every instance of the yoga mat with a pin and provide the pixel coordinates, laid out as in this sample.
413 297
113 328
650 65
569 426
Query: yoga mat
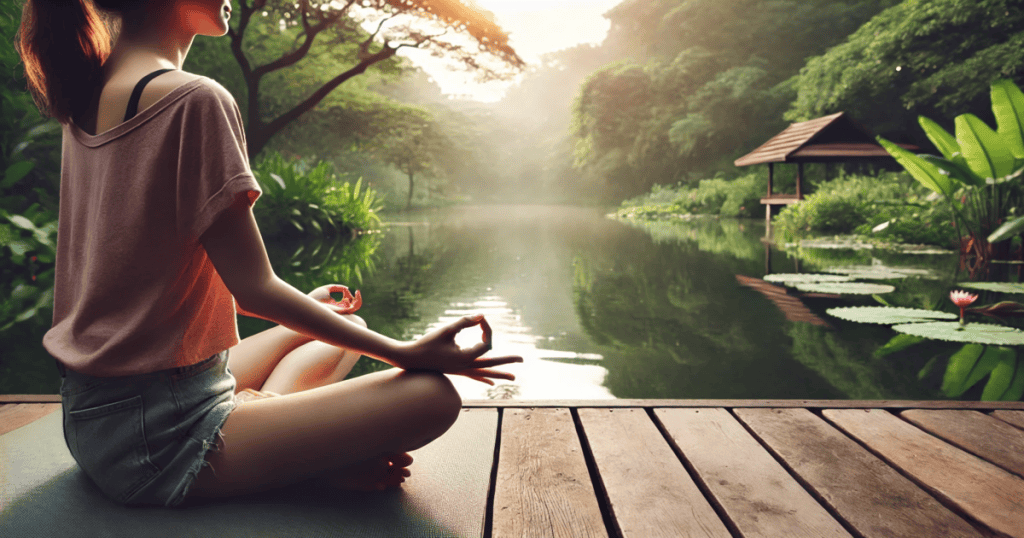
44 494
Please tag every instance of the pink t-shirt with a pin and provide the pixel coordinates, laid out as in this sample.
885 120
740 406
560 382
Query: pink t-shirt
134 290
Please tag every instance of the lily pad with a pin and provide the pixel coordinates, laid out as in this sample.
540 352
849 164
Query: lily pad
887 315
851 288
877 275
952 331
790 278
1003 287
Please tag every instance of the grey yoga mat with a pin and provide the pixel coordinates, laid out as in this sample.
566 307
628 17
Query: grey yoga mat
44 494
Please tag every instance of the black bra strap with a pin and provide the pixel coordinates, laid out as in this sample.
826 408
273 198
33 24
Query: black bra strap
133 103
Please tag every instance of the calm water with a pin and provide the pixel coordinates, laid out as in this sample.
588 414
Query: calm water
604 309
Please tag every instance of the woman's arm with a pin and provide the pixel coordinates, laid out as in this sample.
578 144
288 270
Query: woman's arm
236 249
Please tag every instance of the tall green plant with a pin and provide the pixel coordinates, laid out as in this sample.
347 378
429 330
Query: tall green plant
298 201
979 170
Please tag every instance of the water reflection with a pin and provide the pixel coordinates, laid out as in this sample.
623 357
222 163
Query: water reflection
601 309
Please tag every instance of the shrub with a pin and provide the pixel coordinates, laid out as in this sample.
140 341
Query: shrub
298 200
858 205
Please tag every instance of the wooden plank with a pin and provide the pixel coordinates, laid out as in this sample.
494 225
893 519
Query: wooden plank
1015 418
975 487
650 492
543 487
29 398
811 404
869 495
14 416
986 437
757 494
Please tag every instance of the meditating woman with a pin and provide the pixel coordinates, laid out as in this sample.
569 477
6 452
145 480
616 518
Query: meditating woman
157 248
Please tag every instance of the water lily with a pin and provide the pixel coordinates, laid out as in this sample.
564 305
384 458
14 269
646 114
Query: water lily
962 299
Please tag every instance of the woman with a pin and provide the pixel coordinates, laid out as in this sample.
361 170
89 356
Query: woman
158 248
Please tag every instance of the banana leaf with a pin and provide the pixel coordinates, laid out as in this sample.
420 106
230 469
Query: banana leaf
943 140
1008 107
960 366
986 153
923 171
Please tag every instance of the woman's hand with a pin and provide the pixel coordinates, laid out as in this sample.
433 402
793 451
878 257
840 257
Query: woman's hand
437 351
349 304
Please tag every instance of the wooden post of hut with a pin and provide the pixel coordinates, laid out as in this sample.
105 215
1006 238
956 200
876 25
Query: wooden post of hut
833 138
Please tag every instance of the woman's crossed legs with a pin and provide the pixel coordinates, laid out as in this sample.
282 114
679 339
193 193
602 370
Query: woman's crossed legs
353 434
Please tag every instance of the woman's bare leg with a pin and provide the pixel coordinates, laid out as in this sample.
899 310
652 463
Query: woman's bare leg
278 441
311 365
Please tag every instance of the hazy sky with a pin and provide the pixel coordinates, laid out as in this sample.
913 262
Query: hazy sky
534 27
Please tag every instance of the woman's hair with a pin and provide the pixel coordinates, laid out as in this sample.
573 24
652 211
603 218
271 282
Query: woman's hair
64 45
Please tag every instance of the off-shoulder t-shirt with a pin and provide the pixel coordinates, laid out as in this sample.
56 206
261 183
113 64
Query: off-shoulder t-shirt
134 289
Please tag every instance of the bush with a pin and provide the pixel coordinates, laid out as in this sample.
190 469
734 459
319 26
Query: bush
738 197
298 200
859 205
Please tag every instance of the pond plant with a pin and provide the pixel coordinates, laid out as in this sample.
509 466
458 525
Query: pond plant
989 350
978 175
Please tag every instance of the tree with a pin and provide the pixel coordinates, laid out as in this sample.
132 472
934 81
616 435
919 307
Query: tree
702 82
413 143
345 38
922 57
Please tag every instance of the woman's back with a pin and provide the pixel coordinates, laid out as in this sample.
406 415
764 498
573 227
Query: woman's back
117 90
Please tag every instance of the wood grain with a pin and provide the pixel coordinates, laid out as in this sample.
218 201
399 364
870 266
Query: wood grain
649 490
756 493
975 487
812 404
986 437
1015 418
29 398
870 496
14 416
543 487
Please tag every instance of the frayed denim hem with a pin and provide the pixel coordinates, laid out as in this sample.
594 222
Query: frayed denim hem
206 445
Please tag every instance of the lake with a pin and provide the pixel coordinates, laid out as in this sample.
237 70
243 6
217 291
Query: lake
602 309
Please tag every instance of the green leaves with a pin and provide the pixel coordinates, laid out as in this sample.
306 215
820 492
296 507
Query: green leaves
987 155
1007 230
1008 107
1007 380
926 173
887 315
940 137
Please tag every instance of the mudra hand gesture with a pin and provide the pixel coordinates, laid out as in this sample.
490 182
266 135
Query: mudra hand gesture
436 350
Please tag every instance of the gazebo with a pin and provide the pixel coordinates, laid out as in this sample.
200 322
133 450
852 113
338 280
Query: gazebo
833 138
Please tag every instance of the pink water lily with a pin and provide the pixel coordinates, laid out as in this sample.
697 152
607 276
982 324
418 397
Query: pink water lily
962 299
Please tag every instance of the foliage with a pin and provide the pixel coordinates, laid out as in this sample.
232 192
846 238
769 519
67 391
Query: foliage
310 202
695 84
929 57
738 197
978 174
30 165
887 208
343 51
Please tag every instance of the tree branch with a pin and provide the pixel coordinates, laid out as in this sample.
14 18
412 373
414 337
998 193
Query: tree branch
317 96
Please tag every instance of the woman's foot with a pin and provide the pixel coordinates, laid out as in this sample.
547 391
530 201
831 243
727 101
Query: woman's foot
376 474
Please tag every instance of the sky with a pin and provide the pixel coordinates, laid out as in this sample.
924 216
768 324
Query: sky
535 27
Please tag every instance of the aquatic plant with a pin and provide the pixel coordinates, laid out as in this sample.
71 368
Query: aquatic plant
962 299
978 175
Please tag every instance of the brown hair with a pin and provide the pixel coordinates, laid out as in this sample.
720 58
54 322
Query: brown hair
63 45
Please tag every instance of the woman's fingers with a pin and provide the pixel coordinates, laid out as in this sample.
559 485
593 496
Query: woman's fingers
494 361
463 323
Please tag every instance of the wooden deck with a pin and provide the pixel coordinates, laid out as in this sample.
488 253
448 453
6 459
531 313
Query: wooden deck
731 468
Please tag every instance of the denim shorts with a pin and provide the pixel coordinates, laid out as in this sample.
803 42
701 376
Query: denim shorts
143 439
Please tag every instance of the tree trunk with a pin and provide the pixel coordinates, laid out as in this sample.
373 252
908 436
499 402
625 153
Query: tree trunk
408 205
